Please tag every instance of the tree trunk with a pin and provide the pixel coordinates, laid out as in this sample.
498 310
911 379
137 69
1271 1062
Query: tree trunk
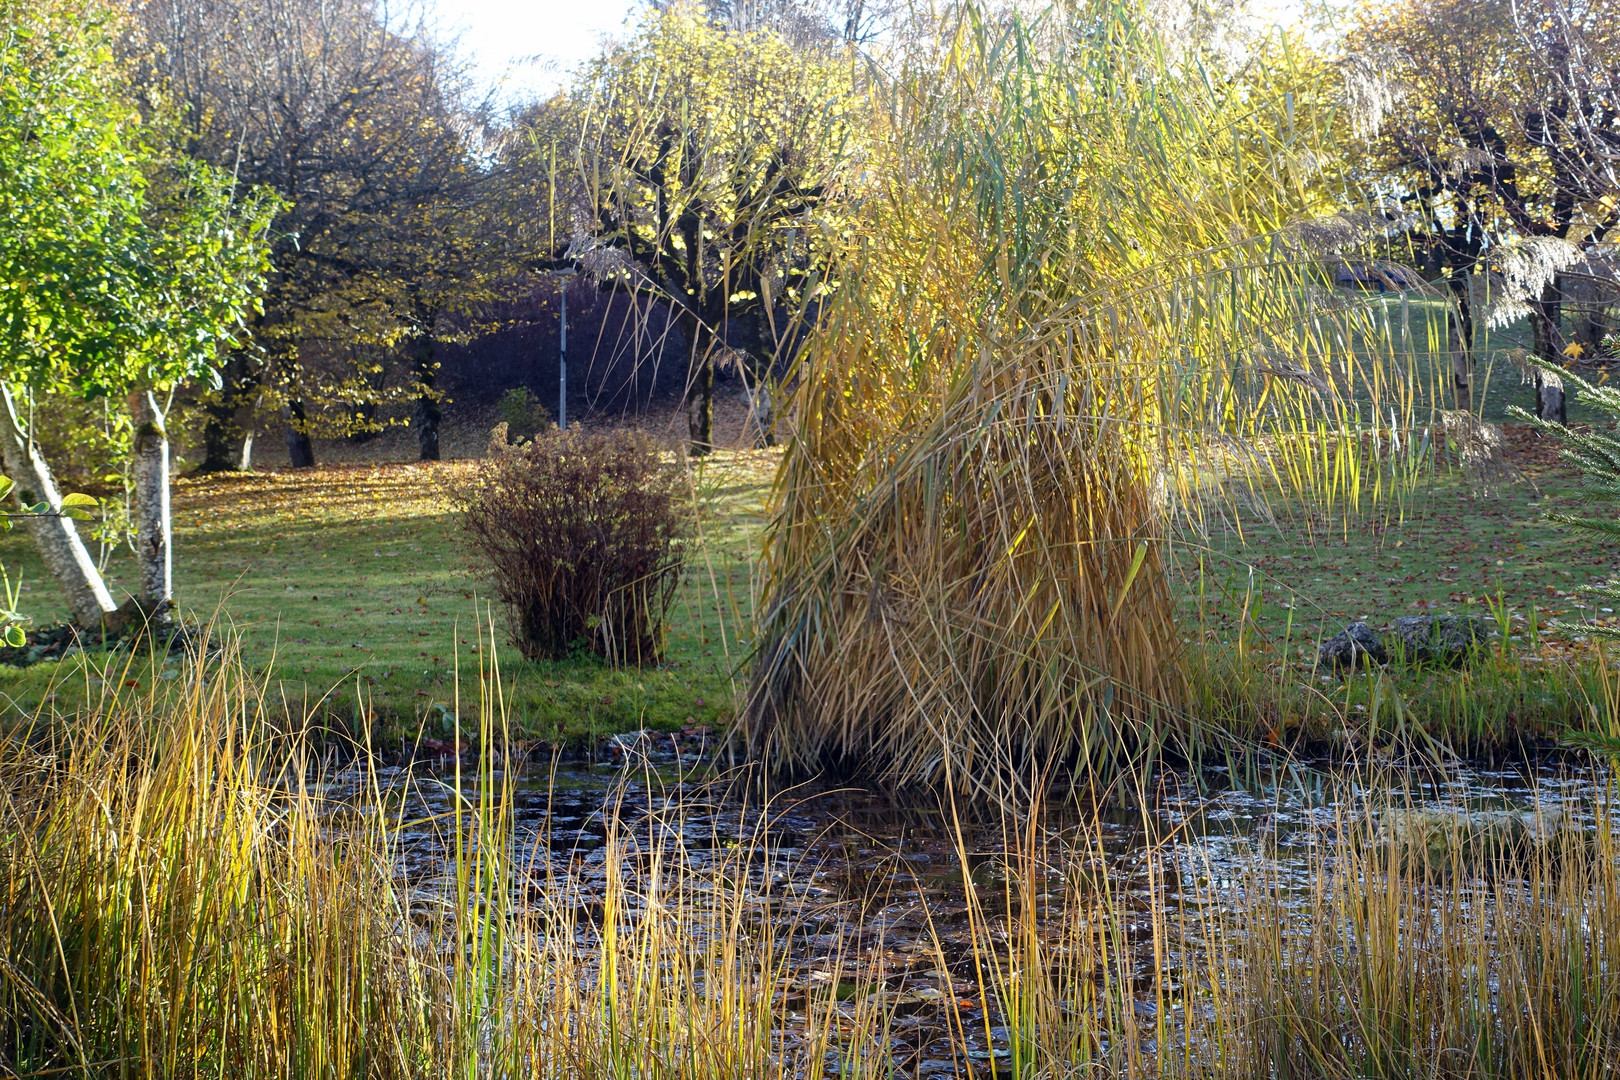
1460 338
153 530
218 445
428 413
1550 398
246 460
1588 299
763 409
1545 332
1548 346
300 449
220 430
700 391
57 538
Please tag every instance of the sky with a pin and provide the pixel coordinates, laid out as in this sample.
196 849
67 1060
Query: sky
528 46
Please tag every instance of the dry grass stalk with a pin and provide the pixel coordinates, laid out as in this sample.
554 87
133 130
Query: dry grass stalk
184 896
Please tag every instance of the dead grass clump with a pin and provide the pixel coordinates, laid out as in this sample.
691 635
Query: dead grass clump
580 535
186 893
970 589
1397 941
174 904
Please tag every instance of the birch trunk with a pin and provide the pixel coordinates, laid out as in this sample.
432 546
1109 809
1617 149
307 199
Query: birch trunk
153 531
56 537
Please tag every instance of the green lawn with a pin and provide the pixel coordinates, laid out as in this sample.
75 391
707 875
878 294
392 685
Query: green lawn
349 585
1264 592
1452 547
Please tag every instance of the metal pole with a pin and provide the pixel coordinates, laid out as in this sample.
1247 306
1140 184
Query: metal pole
562 363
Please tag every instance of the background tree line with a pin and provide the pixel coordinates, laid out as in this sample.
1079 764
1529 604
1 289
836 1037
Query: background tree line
700 168
337 208
680 169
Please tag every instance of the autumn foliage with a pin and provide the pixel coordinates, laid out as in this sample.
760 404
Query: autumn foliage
580 535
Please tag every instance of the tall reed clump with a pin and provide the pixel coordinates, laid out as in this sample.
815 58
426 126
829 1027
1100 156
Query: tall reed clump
580 535
1444 942
186 893
1090 290
177 901
1438 943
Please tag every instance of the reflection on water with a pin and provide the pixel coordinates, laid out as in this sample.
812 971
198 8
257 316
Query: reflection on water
889 904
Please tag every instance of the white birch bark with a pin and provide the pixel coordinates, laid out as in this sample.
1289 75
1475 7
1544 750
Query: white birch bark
56 537
153 528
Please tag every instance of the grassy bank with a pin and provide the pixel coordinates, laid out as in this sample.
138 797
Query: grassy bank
1264 589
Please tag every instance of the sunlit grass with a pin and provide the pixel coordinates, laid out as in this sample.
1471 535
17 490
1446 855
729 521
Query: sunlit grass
1252 606
353 581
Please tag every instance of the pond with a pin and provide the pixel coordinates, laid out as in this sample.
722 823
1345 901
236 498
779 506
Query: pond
910 914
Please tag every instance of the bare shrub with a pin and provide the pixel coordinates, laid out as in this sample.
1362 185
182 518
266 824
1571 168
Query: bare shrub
580 535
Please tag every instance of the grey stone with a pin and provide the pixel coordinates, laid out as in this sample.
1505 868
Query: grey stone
1354 646
1438 639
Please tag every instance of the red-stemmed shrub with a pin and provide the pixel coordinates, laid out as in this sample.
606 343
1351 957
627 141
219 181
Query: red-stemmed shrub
580 533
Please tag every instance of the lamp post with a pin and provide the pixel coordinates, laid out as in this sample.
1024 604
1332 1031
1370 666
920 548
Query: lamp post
562 361
562 351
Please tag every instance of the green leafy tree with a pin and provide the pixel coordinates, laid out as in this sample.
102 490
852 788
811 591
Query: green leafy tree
452 257
124 269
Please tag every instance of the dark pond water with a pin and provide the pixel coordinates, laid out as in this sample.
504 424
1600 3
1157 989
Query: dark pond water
872 897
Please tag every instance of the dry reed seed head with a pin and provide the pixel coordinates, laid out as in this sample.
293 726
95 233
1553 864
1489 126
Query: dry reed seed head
1370 93
1479 444
581 535
1465 159
1521 268
1331 235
